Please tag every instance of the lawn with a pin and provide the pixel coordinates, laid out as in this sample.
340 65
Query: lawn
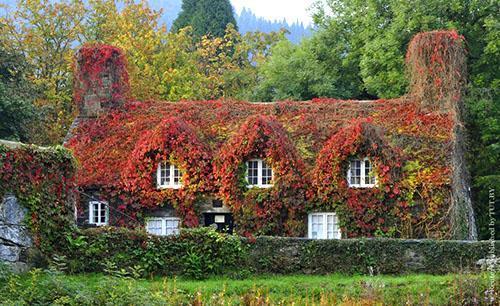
95 289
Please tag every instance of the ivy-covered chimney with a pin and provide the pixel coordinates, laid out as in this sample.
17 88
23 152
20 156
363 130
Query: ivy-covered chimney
436 63
437 69
101 79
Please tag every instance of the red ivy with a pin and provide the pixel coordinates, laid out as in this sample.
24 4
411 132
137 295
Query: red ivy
363 211
93 61
173 137
275 210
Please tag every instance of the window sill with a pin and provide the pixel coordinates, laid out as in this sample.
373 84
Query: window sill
363 186
169 187
260 186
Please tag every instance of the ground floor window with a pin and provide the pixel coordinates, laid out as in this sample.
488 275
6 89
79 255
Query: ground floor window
98 213
163 226
323 226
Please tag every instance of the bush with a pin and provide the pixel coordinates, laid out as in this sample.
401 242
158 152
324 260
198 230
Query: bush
366 256
196 253
202 252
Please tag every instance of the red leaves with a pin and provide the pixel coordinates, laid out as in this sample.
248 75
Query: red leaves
358 205
95 60
262 137
303 141
436 61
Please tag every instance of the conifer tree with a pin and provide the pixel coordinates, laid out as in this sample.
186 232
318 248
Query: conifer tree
205 17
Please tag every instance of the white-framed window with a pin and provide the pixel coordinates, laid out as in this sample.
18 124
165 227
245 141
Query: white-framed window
259 173
163 226
98 213
360 173
168 176
323 226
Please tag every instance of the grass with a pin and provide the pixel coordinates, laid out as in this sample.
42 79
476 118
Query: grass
95 289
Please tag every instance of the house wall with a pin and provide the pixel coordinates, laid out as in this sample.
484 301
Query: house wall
204 205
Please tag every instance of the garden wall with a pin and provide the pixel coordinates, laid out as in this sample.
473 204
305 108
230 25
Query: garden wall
36 201
201 252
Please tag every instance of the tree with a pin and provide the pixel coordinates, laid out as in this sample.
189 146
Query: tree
374 35
45 33
297 73
17 111
206 17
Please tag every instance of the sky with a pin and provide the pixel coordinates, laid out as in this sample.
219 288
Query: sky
291 10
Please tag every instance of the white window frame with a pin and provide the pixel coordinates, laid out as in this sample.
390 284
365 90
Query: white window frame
163 221
99 209
337 234
363 174
259 174
171 184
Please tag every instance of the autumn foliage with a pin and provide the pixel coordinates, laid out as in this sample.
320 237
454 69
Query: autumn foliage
308 144
436 64
42 180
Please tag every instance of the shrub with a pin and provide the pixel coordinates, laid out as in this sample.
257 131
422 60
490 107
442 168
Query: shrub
196 253
202 252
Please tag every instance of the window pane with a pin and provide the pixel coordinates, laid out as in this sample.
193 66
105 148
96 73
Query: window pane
368 174
330 226
252 172
164 173
154 227
177 175
355 172
317 226
267 173
172 226
95 217
103 213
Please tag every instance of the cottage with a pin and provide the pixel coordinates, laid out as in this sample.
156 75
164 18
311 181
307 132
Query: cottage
323 169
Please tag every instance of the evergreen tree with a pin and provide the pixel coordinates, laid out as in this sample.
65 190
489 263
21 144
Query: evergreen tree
205 17
16 96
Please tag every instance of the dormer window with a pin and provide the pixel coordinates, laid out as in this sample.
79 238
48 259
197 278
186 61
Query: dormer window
259 174
168 176
360 173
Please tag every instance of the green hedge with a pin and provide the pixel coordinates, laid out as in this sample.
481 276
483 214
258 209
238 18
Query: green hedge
201 252
352 256
195 253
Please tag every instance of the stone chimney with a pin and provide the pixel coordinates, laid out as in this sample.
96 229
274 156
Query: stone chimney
101 80
436 63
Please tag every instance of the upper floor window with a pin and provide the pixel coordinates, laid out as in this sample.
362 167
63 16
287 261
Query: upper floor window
360 173
98 213
259 173
164 226
323 226
168 176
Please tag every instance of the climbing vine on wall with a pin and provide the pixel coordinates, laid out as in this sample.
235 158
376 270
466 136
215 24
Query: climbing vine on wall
363 211
276 210
94 63
42 179
175 142
308 144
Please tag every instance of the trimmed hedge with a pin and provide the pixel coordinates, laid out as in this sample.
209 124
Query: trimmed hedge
195 253
352 256
201 252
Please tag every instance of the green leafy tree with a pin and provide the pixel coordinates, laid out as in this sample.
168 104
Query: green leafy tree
373 36
17 111
206 17
296 72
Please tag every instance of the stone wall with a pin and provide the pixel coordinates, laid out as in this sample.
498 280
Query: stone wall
15 239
